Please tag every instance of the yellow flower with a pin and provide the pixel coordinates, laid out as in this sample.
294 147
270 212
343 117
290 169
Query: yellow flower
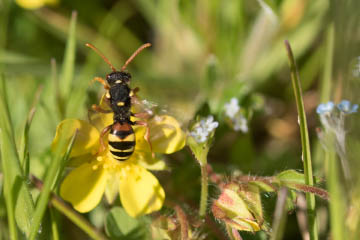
94 175
34 4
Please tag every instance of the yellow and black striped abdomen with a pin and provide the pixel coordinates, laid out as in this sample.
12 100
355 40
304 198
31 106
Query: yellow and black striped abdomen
121 141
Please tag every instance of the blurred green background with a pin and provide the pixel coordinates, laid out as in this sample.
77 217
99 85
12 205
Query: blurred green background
204 53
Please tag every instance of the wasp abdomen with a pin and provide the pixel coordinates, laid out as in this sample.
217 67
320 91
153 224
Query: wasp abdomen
121 141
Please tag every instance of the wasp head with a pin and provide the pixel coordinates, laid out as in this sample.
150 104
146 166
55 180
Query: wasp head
118 78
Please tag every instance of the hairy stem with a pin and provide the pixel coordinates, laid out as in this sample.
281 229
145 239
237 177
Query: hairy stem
204 190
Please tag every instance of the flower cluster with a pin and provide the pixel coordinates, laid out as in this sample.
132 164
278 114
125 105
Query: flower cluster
98 173
332 118
238 120
203 129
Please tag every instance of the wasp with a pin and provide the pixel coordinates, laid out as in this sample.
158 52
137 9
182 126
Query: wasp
119 98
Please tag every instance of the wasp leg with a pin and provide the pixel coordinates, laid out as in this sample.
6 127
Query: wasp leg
102 134
136 90
97 108
102 81
147 134
142 115
134 98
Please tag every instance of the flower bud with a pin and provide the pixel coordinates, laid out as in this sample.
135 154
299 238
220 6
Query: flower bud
239 207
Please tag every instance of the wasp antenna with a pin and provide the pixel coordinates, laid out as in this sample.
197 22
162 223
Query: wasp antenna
101 55
146 45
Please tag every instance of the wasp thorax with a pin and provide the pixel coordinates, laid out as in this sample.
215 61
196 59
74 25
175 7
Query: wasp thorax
118 78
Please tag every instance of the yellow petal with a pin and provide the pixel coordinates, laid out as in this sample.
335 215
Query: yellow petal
146 160
30 4
140 192
166 135
84 186
103 104
111 189
87 139
101 120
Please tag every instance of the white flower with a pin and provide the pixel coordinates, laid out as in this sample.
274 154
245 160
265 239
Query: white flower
199 135
203 129
208 124
232 111
232 108
240 123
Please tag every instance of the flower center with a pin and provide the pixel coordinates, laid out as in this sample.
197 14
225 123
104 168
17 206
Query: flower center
120 169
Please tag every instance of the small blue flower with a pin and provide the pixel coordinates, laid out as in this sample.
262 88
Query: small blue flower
346 107
325 108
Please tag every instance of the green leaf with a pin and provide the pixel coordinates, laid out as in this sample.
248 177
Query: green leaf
18 200
291 176
7 57
119 225
24 146
263 186
53 174
305 142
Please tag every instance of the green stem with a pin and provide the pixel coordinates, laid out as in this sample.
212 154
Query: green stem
76 218
54 225
280 215
204 189
337 204
305 143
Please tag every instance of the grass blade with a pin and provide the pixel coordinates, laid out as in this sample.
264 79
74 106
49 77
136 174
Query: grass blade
334 183
280 215
305 143
19 202
24 146
50 179
337 203
9 202
67 73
